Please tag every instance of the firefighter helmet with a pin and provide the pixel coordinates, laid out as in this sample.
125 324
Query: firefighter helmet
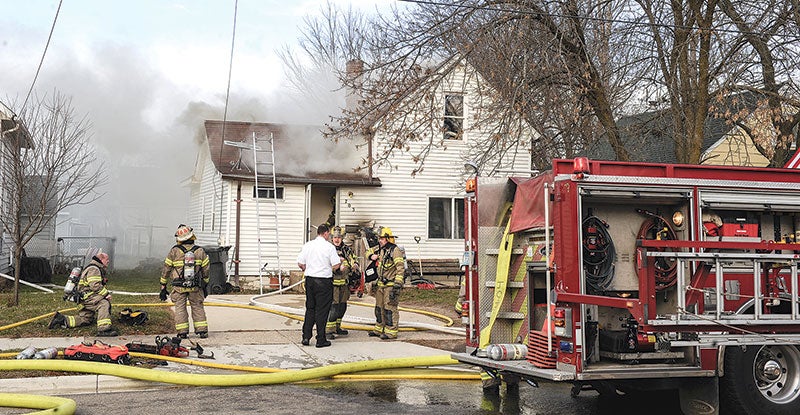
184 233
337 232
386 233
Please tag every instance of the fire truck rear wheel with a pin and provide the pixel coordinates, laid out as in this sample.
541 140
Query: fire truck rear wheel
761 380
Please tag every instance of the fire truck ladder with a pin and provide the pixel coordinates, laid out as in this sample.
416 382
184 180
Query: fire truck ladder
715 265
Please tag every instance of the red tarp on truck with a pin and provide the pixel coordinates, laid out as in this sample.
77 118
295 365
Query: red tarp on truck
528 209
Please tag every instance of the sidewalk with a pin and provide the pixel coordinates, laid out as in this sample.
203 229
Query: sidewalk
241 337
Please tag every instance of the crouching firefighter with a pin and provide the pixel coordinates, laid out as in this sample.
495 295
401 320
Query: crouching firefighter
341 287
94 299
391 271
186 269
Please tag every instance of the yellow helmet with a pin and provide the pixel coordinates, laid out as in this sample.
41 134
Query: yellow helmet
386 233
337 232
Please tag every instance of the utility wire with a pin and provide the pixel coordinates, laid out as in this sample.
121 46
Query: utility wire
225 112
589 18
41 61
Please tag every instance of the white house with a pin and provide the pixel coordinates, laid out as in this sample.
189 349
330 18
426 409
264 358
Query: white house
315 179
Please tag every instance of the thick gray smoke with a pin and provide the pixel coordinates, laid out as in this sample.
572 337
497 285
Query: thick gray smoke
147 130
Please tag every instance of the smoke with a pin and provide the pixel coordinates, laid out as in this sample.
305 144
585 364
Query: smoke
148 131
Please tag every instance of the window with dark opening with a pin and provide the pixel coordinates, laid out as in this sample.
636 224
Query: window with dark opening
453 116
269 192
445 218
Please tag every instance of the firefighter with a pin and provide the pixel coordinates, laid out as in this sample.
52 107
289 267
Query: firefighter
341 288
95 300
391 271
186 269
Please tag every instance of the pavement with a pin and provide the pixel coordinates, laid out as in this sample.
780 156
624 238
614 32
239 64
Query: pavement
244 337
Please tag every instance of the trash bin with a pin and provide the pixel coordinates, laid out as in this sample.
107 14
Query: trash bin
218 278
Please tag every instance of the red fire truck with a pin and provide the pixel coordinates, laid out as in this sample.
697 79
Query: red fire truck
621 277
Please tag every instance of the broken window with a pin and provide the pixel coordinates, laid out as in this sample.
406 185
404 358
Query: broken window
445 218
453 116
269 193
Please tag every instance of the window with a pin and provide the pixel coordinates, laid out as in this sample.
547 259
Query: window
445 218
453 116
269 192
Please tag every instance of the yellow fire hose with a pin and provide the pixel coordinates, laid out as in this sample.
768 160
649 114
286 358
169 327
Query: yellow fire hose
194 379
51 404
264 376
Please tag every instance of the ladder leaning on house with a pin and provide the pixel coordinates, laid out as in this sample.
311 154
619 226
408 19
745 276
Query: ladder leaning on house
264 160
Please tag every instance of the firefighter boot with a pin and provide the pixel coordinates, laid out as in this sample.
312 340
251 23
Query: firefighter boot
202 334
58 321
341 331
109 332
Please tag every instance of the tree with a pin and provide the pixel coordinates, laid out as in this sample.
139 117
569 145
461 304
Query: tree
569 68
45 169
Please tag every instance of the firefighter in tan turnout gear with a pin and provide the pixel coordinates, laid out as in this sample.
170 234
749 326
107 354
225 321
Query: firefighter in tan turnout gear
341 288
186 269
387 288
94 302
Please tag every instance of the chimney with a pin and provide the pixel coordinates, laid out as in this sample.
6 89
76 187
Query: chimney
354 69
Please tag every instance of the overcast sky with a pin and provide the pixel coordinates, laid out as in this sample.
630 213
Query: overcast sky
147 72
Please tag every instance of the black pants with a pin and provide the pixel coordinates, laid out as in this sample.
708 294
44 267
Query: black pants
319 296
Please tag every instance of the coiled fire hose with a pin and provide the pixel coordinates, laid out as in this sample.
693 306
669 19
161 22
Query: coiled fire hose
655 227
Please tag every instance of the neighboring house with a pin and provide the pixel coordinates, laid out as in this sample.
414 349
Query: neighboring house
648 136
310 188
11 134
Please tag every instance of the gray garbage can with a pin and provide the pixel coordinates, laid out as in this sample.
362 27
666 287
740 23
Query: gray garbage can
218 278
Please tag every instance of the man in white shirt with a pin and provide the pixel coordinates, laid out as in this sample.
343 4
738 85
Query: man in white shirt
318 260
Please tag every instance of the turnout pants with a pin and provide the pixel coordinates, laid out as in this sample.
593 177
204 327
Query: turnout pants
319 297
101 310
195 299
341 294
387 318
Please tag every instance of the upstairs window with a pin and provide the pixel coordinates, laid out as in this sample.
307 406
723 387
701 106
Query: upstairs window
453 116
268 193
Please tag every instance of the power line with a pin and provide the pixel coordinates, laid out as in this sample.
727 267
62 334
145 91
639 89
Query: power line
41 61
589 18
227 97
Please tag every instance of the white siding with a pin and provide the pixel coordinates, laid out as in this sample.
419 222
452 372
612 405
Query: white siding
204 207
290 229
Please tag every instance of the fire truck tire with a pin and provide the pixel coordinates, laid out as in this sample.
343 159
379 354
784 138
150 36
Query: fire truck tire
761 380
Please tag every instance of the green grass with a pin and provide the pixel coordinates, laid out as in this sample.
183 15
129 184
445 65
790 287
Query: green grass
34 303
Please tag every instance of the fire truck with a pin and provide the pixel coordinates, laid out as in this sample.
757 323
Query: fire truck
622 277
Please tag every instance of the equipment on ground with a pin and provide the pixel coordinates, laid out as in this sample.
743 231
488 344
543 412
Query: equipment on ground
133 317
98 352
169 346
626 277
28 353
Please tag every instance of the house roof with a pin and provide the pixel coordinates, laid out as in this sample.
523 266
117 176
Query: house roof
648 136
302 154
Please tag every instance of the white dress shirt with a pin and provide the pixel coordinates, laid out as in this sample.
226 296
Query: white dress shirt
319 256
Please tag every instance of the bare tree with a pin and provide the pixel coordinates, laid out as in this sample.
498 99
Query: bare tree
50 167
569 69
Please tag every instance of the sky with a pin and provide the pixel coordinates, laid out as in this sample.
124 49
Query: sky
146 74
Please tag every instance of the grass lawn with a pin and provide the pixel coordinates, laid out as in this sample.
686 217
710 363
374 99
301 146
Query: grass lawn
34 303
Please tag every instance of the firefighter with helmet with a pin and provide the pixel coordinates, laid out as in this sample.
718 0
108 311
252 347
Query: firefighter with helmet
391 271
341 287
186 269
94 300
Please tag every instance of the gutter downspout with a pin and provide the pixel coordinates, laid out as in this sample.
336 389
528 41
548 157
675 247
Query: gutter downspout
238 229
